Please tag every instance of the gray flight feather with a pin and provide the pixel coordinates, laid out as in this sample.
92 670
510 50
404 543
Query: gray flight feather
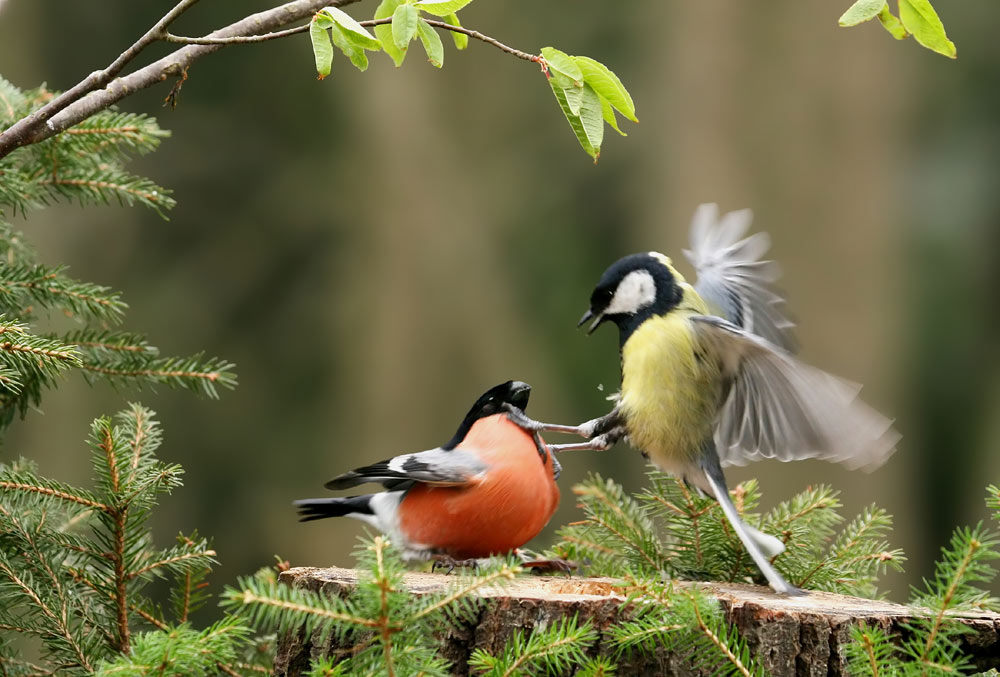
779 407
732 278
434 466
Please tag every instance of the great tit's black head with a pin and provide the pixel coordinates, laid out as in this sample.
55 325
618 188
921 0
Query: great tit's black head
631 290
492 402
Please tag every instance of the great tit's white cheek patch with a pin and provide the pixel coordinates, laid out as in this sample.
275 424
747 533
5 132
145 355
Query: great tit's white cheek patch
636 291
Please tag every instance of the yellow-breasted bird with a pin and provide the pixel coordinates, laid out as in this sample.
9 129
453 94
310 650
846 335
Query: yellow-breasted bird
708 377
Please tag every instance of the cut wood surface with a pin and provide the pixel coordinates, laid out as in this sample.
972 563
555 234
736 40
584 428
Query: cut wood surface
789 635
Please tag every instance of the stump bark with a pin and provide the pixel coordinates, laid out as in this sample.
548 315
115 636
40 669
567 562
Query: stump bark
789 635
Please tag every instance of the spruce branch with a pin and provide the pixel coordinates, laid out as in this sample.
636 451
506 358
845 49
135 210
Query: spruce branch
553 650
54 626
21 285
45 488
94 185
134 367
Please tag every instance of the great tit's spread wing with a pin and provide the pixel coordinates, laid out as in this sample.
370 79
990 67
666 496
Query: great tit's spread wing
733 279
439 467
779 407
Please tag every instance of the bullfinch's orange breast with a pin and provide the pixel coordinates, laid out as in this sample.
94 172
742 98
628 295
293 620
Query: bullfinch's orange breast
501 510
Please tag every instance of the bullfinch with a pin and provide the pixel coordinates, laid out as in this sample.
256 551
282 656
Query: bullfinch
487 491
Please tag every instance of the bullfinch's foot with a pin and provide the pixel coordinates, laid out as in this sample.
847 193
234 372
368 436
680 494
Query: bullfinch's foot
551 566
450 563
520 419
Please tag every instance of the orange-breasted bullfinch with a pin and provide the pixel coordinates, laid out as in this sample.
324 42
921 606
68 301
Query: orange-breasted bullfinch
489 490
708 377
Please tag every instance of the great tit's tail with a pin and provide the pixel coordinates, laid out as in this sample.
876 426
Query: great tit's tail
359 507
761 546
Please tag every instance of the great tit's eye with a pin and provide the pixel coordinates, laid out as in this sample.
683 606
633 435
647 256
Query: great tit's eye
601 297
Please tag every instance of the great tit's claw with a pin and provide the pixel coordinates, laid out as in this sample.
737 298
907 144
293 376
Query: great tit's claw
599 443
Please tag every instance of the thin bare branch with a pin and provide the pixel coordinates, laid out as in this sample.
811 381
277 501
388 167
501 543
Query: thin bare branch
236 39
101 89
23 131
250 39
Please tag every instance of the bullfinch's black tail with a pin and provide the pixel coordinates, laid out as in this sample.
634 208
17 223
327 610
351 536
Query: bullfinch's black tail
321 508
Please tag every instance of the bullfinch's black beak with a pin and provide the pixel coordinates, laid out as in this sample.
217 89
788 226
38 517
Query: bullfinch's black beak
586 317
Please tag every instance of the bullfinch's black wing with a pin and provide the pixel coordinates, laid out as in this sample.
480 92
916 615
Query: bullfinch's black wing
732 278
439 467
779 407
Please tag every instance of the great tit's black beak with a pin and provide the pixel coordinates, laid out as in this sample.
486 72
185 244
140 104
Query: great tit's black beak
586 317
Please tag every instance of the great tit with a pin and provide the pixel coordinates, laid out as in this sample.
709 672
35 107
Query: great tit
487 491
708 377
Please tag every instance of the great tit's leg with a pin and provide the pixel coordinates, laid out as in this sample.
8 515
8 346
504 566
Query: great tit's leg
716 481
609 424
601 442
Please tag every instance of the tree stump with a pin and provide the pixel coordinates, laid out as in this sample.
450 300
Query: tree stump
789 635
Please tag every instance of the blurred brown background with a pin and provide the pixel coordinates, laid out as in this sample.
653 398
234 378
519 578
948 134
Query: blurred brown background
375 250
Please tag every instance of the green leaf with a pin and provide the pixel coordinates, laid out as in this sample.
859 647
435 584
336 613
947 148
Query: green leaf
588 126
322 49
352 30
892 24
432 43
384 32
404 25
461 39
920 19
563 64
861 11
572 92
441 7
609 115
350 49
607 84
590 116
322 19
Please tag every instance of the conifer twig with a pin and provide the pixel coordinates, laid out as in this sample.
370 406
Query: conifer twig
46 491
247 597
170 560
61 623
946 599
505 572
717 641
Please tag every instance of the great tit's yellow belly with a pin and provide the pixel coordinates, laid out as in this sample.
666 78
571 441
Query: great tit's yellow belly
670 392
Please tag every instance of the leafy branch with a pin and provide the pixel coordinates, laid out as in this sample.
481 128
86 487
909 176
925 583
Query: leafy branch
916 17
396 24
